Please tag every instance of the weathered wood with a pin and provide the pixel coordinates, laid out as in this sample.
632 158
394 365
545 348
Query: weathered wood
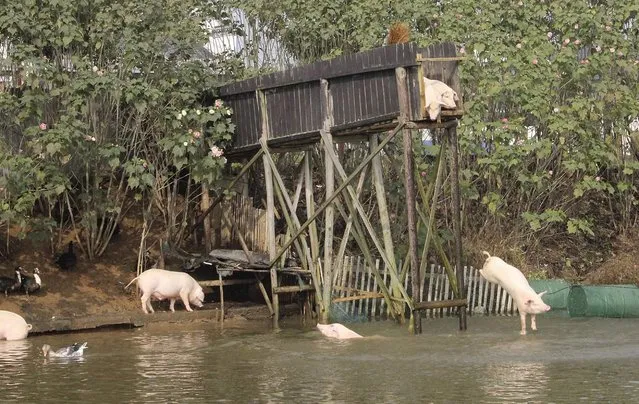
310 205
221 298
440 304
230 186
349 221
329 215
342 186
267 300
456 211
270 209
380 194
227 282
291 289
361 296
409 185
352 204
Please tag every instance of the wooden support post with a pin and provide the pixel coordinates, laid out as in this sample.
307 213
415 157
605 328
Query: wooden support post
221 298
264 294
339 189
353 203
380 193
292 221
454 186
270 209
310 205
409 184
329 214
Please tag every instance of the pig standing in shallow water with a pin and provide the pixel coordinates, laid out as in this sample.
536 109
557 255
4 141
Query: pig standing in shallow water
336 330
160 284
497 271
12 326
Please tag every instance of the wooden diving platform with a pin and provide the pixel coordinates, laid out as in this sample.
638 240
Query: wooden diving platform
363 89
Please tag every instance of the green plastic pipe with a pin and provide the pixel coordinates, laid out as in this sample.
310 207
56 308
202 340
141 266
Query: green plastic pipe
557 291
620 301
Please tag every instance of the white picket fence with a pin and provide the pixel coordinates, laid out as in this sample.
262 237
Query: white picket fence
356 292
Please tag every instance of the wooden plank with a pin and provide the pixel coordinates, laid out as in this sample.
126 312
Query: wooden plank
227 282
441 304
362 296
292 289
374 305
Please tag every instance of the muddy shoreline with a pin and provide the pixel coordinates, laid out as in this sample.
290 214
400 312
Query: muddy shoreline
233 312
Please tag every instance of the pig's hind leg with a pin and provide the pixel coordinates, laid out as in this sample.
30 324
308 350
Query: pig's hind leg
172 306
522 317
146 302
184 295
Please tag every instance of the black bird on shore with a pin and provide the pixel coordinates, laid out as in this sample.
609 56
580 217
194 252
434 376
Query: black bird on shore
8 284
66 261
31 283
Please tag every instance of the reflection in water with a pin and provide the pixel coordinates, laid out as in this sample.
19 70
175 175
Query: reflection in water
12 352
514 381
566 362
166 361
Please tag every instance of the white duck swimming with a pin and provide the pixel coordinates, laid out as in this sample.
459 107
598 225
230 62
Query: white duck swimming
71 351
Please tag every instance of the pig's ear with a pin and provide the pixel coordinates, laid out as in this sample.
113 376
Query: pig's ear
540 294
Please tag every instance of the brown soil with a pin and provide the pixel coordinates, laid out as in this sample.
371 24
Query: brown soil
622 267
92 288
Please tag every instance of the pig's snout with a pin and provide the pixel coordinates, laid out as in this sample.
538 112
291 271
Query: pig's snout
547 308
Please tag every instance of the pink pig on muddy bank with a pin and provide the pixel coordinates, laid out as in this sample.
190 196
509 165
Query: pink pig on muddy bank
161 284
511 279
12 326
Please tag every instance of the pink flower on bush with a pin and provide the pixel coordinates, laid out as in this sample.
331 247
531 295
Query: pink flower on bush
577 42
535 61
43 126
423 173
550 172
216 151
197 134
504 120
549 34
218 103
597 178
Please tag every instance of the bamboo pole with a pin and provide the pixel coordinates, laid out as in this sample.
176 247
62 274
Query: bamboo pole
310 205
221 298
293 223
380 193
352 204
409 184
454 183
349 221
329 214
358 235
342 186
270 209
264 294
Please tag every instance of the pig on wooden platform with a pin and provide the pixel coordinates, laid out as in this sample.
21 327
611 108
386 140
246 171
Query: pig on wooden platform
12 326
161 284
511 279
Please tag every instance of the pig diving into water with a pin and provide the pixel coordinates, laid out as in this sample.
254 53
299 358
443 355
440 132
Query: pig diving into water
161 284
496 270
338 331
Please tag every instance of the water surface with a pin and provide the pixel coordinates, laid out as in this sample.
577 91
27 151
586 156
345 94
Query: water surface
568 360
